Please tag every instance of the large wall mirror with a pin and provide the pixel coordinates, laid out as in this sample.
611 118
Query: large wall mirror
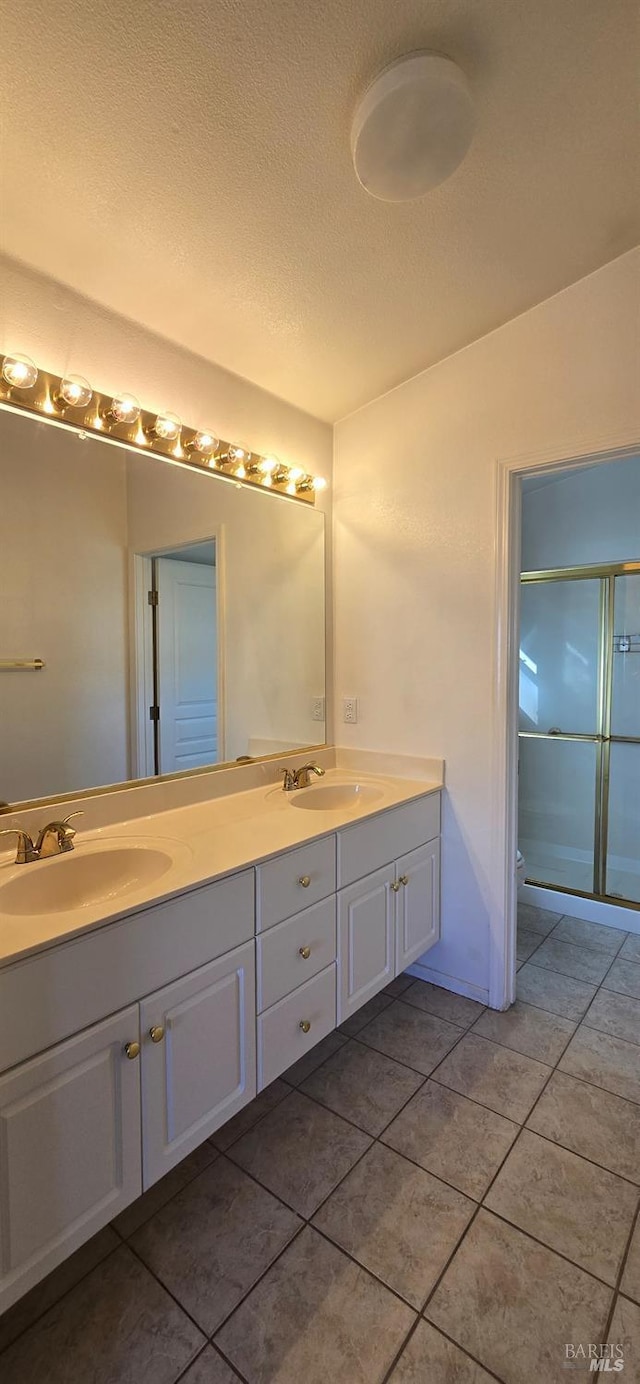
179 618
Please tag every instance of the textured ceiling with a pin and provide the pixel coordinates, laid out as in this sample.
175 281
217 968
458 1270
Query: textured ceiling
187 164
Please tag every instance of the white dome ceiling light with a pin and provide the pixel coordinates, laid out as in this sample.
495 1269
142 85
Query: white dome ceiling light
412 127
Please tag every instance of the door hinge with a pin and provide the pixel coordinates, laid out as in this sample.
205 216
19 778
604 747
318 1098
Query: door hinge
154 713
152 597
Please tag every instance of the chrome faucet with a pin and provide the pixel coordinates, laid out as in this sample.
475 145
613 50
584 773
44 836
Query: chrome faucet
56 838
299 778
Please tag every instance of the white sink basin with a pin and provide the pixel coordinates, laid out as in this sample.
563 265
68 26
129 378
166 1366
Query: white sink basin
330 797
82 878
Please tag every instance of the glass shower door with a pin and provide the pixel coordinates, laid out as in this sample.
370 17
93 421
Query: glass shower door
623 752
561 732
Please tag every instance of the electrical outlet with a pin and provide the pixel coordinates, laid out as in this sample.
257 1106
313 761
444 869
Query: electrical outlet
317 709
350 710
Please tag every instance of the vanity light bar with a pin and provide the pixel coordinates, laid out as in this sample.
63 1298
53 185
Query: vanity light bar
71 401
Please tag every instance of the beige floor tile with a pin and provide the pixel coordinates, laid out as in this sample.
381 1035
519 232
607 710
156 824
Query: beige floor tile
411 1036
616 1014
630 951
549 990
624 977
28 1308
245 1119
503 1080
631 1277
538 919
527 941
211 1243
444 1004
528 1030
313 1058
591 1122
398 986
365 1014
300 1151
586 934
118 1324
513 1304
452 1137
429 1358
564 1201
625 1329
572 960
606 1061
210 1368
397 1220
363 1085
316 1317
146 1206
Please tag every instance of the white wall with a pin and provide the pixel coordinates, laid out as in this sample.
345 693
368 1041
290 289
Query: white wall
585 516
63 527
416 544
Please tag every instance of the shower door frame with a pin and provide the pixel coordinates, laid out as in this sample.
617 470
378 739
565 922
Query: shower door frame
606 574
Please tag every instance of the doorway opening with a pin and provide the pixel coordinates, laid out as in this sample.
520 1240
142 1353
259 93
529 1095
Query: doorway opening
178 682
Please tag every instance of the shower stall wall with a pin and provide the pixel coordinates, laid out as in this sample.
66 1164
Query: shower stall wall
579 730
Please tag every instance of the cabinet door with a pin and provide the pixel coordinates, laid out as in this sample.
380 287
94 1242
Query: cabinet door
201 1068
69 1149
417 903
366 931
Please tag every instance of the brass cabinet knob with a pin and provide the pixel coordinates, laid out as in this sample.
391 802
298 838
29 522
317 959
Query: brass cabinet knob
305 881
404 879
131 1050
156 1033
305 1025
304 952
395 885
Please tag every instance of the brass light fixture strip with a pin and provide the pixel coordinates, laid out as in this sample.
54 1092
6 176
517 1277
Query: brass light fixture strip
43 401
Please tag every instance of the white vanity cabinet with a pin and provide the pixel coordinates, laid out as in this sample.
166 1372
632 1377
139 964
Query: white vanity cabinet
387 917
70 1142
198 1058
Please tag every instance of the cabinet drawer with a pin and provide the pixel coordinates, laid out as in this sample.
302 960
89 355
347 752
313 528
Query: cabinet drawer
295 880
379 840
58 992
281 952
281 1040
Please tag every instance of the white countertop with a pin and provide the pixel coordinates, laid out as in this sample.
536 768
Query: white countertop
206 840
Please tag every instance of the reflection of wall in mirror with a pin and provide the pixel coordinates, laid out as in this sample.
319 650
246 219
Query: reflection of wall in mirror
63 599
271 567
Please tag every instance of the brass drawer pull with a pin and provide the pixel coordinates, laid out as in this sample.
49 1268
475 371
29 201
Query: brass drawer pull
304 952
305 881
395 885
131 1050
404 879
305 1025
156 1033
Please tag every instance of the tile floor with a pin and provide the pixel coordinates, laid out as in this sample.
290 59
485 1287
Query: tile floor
436 1194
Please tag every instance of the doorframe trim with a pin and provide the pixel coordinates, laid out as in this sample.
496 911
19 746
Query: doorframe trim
509 473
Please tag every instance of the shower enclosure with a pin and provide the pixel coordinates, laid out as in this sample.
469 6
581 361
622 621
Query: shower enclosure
579 730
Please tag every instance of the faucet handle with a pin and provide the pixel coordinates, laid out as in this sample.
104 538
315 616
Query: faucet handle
26 851
56 837
288 779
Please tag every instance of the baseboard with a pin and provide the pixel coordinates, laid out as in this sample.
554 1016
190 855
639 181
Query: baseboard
459 987
609 914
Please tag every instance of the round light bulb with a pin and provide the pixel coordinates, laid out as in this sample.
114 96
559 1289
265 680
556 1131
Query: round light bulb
204 442
167 426
268 464
319 483
19 372
295 473
236 454
74 391
124 408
